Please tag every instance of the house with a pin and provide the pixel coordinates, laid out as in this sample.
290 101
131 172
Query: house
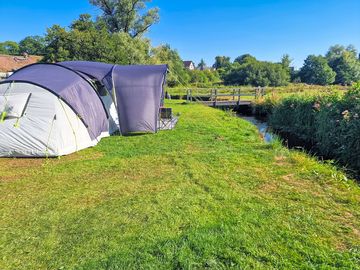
190 65
9 63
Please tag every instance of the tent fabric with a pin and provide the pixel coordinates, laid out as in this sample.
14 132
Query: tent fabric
72 89
58 109
13 105
139 91
138 96
95 69
48 128
100 71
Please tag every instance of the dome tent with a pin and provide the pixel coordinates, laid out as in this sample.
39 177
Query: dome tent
137 92
57 109
62 113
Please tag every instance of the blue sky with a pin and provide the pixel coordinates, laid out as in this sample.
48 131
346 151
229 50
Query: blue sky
199 29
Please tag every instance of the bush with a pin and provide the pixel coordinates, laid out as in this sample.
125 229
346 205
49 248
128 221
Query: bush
296 115
263 107
330 122
249 71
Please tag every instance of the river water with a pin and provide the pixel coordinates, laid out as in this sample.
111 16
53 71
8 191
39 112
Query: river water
262 126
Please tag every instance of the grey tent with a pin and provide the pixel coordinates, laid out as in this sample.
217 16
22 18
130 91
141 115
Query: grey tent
57 109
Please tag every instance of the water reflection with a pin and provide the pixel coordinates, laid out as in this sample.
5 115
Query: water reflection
262 126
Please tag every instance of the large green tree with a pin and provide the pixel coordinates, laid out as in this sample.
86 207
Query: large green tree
345 62
9 47
222 62
128 16
246 70
317 71
33 45
89 40
244 58
166 55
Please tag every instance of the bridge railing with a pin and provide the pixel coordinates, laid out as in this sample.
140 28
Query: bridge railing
216 98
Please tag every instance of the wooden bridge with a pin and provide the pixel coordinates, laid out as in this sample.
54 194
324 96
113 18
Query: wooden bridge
227 100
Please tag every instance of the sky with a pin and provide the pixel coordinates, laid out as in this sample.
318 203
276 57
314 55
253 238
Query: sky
204 29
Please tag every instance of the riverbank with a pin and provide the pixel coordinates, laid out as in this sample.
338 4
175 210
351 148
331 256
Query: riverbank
328 124
210 194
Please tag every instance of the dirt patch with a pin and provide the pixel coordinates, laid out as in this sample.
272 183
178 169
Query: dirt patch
281 161
81 156
269 187
21 163
288 177
302 185
11 178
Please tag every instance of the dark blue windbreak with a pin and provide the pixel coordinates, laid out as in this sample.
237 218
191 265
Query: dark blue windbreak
72 89
139 91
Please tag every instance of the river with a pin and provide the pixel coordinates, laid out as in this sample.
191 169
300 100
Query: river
262 126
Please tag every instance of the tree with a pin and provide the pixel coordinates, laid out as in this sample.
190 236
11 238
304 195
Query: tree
257 73
317 71
345 63
57 39
91 41
177 73
198 76
33 45
128 16
244 58
202 65
286 61
9 47
222 62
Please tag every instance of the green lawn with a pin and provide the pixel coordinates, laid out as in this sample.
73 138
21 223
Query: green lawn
208 195
282 90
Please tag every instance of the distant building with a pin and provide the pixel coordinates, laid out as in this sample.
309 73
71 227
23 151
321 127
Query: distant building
9 63
190 65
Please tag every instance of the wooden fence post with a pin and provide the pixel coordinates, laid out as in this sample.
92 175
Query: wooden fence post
238 102
233 95
216 96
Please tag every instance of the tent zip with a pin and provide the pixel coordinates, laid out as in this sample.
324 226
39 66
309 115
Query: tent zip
48 140
17 124
72 128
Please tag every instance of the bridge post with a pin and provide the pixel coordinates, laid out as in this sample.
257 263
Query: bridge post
234 93
238 101
216 96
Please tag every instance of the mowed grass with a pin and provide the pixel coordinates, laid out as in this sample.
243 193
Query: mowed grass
208 195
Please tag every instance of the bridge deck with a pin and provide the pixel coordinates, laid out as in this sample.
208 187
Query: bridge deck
227 103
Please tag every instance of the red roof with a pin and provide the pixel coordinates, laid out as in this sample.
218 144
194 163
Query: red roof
10 62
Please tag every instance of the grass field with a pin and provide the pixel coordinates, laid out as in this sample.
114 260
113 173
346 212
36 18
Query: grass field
208 195
283 90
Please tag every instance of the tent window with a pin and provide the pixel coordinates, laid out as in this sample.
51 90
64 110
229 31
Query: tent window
101 89
13 106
